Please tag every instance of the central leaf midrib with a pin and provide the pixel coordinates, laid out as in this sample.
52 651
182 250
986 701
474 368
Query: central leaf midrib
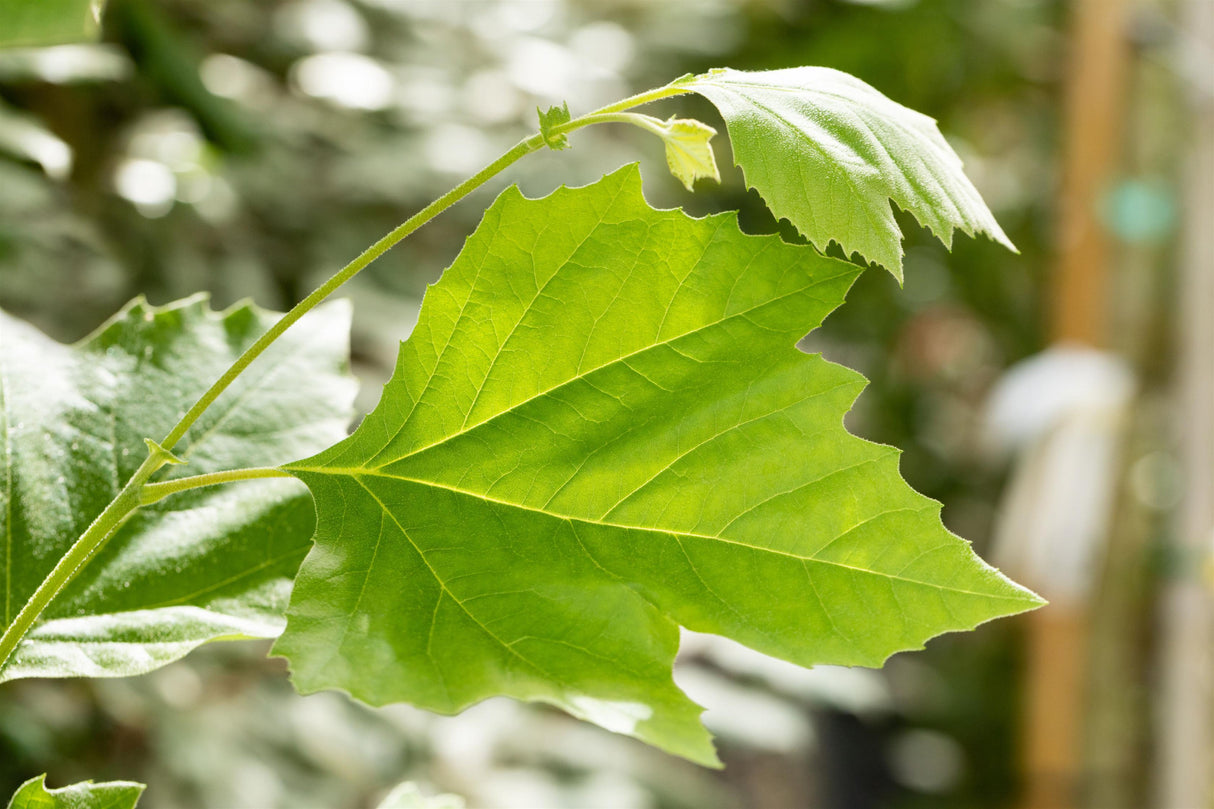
356 473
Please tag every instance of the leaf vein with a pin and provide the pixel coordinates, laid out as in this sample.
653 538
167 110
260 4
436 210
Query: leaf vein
359 472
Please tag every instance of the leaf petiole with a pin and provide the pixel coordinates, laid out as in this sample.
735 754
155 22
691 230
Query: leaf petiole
152 492
518 151
646 122
656 94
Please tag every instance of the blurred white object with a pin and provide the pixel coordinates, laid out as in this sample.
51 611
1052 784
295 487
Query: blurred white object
1062 412
746 716
926 761
858 691
759 702
25 136
346 79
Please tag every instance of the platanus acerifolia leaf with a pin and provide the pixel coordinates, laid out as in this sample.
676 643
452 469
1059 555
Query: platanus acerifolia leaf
828 152
601 429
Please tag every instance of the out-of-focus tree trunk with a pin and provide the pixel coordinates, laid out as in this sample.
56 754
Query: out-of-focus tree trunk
1187 675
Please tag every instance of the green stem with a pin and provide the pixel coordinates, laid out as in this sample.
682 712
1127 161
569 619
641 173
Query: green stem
521 149
138 492
82 551
646 122
152 492
672 89
133 494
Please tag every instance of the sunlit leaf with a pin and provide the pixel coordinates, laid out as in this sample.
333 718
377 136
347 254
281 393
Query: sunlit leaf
828 152
599 430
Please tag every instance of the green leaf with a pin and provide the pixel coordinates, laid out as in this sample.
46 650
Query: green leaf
33 794
689 151
202 565
554 117
828 152
599 430
48 22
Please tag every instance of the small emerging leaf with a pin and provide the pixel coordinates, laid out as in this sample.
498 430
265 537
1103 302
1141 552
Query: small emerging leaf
828 152
33 794
554 117
689 152
163 454
599 432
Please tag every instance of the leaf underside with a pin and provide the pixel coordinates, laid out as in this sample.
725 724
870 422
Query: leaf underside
828 152
599 430
203 565
33 794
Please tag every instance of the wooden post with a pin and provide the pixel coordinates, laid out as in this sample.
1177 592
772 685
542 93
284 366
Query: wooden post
1186 668
1057 653
1092 125
1058 635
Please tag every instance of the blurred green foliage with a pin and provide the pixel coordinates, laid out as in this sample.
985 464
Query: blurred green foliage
251 148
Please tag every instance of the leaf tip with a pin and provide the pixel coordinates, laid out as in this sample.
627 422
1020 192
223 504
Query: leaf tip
996 234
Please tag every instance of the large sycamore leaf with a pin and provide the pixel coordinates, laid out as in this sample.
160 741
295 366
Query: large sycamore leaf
33 794
48 22
198 566
828 152
599 430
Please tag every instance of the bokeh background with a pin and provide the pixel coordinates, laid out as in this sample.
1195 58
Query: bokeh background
1049 399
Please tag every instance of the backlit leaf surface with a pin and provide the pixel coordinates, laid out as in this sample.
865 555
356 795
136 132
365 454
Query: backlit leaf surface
197 566
828 152
599 430
33 794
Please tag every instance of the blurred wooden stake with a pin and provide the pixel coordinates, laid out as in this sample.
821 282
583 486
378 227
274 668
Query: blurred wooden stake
1092 129
1185 735
1058 634
1056 657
